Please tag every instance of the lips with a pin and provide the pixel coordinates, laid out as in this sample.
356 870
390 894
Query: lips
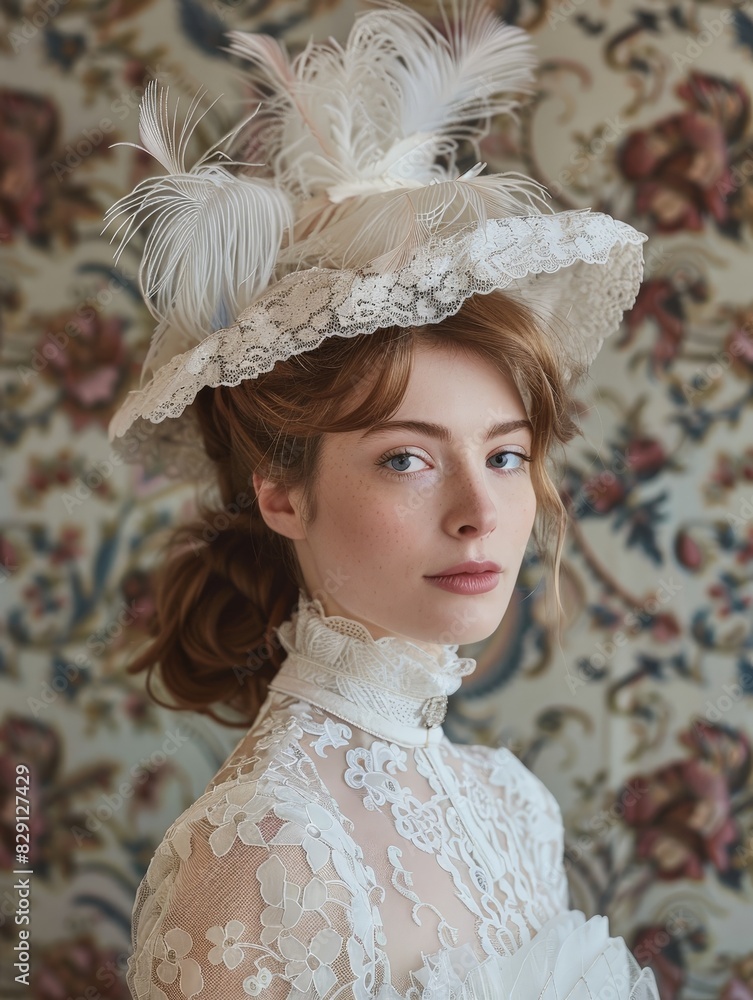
470 567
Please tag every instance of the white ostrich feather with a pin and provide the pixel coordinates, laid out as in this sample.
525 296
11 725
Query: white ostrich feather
214 237
445 84
378 113
383 230
308 117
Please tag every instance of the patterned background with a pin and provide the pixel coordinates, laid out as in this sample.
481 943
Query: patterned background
639 721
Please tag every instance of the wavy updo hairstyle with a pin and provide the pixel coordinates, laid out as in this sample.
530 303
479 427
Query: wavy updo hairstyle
227 579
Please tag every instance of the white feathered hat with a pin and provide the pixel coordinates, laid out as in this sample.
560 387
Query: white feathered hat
358 219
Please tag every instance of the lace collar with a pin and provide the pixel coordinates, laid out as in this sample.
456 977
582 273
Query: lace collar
389 687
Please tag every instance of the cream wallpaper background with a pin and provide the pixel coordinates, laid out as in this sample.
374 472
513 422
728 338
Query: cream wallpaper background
640 722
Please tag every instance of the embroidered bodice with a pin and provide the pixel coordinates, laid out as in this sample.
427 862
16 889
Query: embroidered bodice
346 849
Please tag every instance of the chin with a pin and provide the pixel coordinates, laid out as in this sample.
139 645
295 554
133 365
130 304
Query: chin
466 628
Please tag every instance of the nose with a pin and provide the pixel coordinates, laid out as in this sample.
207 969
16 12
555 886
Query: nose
471 509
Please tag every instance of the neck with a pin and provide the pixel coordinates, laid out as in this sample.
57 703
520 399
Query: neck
389 686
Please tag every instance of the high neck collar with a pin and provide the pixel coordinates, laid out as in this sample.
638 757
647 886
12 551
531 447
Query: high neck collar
389 687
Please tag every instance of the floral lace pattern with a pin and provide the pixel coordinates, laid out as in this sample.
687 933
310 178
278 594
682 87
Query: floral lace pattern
323 862
302 309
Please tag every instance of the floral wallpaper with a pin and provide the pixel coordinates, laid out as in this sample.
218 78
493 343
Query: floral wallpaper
638 716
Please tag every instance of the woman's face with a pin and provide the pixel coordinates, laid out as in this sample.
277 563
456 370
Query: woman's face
396 506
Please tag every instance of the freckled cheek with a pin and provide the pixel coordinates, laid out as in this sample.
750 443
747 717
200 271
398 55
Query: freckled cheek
376 535
358 522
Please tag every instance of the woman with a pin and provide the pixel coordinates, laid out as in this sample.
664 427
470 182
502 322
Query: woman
379 419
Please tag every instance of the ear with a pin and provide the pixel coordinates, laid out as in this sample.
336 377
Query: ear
278 507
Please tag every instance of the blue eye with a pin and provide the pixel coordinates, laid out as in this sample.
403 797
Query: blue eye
513 462
402 457
508 456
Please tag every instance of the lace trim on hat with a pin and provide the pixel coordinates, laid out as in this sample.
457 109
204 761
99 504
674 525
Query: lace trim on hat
523 256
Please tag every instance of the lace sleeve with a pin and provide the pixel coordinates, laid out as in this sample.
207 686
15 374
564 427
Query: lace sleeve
557 842
250 896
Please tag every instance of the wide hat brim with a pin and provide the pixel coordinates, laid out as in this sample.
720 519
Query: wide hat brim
579 271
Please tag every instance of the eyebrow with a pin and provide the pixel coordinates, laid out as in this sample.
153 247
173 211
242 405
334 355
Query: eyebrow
444 433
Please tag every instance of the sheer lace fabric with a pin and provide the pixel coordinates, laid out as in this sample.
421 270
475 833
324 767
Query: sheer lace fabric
347 850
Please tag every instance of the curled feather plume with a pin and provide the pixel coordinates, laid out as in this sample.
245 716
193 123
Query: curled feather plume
360 144
214 235
376 113
364 137
382 231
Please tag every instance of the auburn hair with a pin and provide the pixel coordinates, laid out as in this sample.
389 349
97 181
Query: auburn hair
227 580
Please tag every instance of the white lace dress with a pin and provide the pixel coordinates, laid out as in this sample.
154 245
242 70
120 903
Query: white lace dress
347 849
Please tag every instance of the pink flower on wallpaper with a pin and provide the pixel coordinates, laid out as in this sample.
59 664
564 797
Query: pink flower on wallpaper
8 555
28 130
740 986
689 552
724 474
740 346
736 989
604 492
664 627
682 812
41 195
69 546
645 456
680 165
79 967
90 364
658 302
